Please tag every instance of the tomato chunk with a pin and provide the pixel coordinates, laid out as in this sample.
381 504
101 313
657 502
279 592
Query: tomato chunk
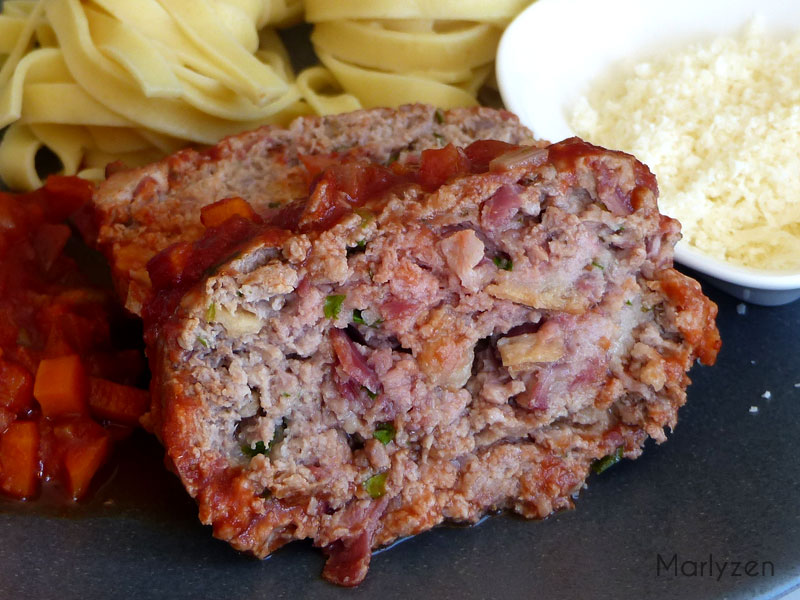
16 387
438 166
48 242
115 402
166 268
61 386
482 152
19 459
220 211
65 194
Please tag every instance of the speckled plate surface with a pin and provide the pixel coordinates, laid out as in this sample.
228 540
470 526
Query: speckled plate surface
726 485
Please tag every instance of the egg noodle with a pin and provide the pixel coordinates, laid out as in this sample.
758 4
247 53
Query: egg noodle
97 81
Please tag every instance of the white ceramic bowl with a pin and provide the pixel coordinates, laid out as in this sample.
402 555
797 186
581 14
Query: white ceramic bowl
553 50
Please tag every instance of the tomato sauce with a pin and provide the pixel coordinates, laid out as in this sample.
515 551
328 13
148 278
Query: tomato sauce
70 377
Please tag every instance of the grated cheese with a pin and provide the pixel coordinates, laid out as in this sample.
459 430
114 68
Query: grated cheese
719 124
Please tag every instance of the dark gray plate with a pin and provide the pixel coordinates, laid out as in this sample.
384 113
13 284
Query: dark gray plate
726 486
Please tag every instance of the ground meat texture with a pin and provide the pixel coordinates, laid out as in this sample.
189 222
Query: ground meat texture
139 212
432 355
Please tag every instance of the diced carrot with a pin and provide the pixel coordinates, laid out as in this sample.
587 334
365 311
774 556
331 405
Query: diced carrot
81 462
19 459
61 386
16 387
220 211
115 402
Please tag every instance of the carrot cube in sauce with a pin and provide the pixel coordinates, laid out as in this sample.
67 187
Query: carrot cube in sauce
19 459
220 211
81 461
115 402
61 386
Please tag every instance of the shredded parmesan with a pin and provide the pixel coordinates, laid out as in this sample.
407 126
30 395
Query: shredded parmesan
719 124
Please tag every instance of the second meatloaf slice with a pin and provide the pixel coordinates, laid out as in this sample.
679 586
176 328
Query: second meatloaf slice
461 333
142 211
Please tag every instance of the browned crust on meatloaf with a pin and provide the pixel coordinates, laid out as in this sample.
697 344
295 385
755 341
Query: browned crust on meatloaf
607 328
144 210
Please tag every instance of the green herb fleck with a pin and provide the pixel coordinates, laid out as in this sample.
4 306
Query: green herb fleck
438 116
598 265
240 293
211 313
370 393
503 263
274 204
286 394
366 216
360 246
280 433
393 157
333 305
439 138
604 463
202 341
358 318
258 448
384 432
376 485
621 229
646 308
628 302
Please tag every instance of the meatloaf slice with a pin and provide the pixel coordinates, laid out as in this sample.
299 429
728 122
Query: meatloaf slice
469 337
140 212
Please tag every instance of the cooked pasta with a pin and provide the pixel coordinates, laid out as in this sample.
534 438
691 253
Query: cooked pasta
473 10
96 81
110 79
437 52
